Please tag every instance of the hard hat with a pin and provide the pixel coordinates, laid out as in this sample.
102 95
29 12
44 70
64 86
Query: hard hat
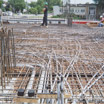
101 16
46 3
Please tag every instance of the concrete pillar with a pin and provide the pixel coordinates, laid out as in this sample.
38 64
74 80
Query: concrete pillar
69 21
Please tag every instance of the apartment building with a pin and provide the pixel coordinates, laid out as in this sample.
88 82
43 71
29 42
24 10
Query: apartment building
87 11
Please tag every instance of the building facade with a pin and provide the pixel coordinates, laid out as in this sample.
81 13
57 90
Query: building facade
87 11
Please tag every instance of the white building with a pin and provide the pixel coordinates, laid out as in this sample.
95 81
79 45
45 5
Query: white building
57 10
88 11
78 10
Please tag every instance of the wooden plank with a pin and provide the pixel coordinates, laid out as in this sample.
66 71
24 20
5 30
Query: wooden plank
27 100
92 103
93 24
39 96
66 96
44 96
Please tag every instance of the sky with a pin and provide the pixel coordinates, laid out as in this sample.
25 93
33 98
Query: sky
81 1
72 1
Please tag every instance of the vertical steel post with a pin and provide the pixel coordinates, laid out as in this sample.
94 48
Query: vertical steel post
62 90
13 49
58 92
2 62
47 100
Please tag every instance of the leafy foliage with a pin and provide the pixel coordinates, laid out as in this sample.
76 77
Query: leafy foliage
17 5
100 4
51 3
33 7
33 4
39 5
96 1
8 7
1 2
99 1
33 10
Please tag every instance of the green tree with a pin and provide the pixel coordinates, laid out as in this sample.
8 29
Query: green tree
33 10
1 2
36 6
51 3
33 4
40 4
100 4
17 5
8 7
39 8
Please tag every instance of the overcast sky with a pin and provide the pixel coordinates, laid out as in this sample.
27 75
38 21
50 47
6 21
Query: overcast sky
81 1
72 1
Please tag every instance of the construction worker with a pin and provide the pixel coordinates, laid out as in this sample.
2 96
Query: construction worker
0 17
101 24
102 20
45 10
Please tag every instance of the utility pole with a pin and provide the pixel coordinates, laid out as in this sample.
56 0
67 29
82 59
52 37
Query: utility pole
13 8
69 19
27 6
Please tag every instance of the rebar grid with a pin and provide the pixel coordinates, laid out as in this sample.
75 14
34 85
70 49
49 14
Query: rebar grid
7 56
56 60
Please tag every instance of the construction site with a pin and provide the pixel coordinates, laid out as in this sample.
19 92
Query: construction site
62 63
54 65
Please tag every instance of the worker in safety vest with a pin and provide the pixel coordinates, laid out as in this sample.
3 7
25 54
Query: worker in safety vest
45 10
101 24
102 19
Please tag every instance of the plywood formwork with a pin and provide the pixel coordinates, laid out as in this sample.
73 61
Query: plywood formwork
62 65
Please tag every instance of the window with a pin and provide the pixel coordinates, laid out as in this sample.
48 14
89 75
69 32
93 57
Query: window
72 10
77 11
92 10
82 10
